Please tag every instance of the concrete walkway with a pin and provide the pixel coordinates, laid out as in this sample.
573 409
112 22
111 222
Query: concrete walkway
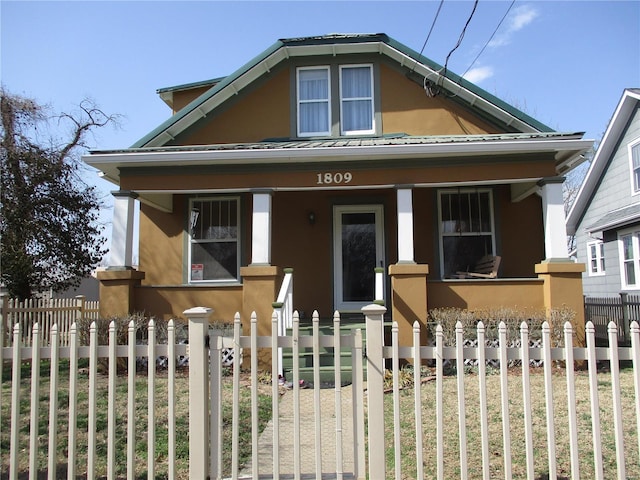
308 447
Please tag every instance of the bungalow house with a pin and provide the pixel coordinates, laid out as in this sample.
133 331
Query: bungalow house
605 216
334 155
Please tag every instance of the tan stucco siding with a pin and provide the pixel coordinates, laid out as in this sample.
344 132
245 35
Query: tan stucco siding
308 248
253 116
184 97
407 109
365 174
170 302
161 244
476 294
521 233
425 227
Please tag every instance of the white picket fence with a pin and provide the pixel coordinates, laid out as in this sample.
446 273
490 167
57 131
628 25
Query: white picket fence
367 454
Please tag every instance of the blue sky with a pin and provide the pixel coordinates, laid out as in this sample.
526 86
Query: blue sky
564 63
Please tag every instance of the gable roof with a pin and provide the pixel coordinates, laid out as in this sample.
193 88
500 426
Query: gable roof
623 112
336 44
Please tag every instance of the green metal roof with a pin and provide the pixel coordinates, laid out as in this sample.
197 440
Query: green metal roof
336 39
189 86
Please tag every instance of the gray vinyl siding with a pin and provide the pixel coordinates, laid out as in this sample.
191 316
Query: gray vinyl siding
613 192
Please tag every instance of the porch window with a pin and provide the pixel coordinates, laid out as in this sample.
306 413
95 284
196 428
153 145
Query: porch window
634 156
214 239
595 253
629 246
314 102
465 227
356 99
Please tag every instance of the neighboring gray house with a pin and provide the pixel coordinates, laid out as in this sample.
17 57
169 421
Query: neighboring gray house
605 216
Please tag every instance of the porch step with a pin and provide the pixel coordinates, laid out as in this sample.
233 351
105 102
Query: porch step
326 354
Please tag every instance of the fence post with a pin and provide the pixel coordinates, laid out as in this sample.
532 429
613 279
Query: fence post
80 302
375 375
198 318
624 297
5 332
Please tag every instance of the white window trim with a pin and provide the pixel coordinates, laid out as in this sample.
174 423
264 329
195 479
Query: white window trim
371 99
191 241
599 258
630 147
635 235
298 102
441 234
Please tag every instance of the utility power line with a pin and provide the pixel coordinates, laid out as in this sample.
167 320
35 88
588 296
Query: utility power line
490 38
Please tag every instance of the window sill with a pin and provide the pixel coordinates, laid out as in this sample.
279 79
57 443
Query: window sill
197 285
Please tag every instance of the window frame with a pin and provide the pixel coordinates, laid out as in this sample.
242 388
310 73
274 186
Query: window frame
635 248
327 69
635 179
442 234
371 99
599 258
191 241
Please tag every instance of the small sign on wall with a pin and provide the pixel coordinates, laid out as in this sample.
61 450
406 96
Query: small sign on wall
197 270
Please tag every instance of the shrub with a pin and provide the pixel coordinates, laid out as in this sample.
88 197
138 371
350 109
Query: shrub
492 317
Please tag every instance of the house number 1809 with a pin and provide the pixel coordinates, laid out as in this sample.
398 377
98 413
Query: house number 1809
331 178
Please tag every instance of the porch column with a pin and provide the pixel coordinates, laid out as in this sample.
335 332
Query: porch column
121 256
555 230
405 224
562 290
261 228
119 280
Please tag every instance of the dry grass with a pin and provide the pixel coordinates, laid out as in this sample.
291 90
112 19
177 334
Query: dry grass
516 419
161 417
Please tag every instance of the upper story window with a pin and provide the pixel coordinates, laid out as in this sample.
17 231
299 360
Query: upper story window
324 90
595 254
356 99
465 227
629 247
214 240
634 157
314 102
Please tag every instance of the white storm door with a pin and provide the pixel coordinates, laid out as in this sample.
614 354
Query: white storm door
358 245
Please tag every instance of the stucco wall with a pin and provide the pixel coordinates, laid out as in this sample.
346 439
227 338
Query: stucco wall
407 109
264 111
259 113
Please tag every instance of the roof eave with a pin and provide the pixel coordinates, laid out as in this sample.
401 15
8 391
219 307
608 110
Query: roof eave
609 141
109 163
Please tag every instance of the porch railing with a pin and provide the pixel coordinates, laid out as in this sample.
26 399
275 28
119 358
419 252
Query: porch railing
283 308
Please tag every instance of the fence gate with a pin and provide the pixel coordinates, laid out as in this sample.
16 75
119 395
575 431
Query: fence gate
314 431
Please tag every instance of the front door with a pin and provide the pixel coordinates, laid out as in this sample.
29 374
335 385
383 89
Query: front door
358 249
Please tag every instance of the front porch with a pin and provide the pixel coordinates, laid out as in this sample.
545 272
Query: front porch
230 254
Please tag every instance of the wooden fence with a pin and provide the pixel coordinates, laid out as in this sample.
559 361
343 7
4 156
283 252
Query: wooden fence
622 310
46 312
454 442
